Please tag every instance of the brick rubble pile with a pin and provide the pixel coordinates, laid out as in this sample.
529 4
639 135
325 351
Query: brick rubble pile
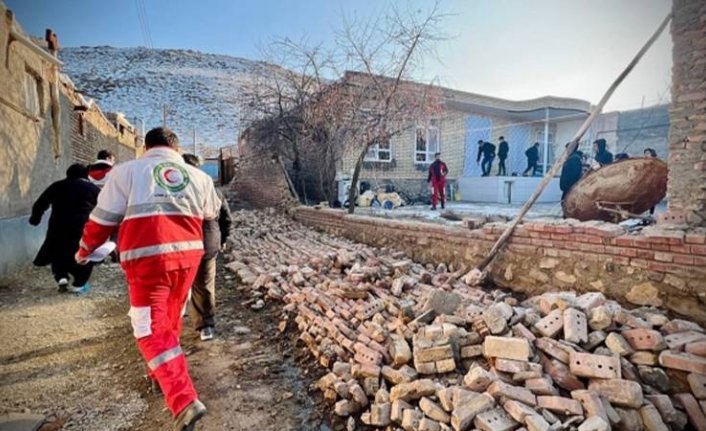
414 347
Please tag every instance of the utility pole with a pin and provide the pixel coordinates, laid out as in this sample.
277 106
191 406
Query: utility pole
194 136
165 109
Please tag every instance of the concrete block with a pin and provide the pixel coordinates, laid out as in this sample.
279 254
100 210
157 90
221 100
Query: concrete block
396 410
693 411
411 419
575 326
537 423
413 391
399 350
561 405
495 420
541 386
697 383
625 393
591 403
462 416
644 339
551 324
651 418
683 362
594 423
518 411
478 379
427 424
506 347
500 390
510 365
594 366
679 340
618 345
433 410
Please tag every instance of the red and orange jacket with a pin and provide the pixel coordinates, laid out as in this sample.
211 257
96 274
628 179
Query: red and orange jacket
158 203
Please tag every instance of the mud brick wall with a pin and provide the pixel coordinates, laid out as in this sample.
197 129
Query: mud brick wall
687 134
657 267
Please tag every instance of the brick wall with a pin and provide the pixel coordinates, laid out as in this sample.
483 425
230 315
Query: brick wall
551 255
92 132
259 179
687 133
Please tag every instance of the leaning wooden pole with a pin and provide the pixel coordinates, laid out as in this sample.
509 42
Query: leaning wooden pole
569 149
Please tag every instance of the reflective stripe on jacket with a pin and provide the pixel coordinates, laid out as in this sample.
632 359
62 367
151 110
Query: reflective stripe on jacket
159 204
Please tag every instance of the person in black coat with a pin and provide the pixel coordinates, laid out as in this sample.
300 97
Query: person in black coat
203 292
503 149
532 155
571 173
71 200
603 156
487 151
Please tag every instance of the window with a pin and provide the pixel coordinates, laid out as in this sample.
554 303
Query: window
380 151
427 143
32 91
81 124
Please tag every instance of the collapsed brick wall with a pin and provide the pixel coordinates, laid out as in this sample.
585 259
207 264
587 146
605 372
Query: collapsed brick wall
259 179
91 132
658 267
687 134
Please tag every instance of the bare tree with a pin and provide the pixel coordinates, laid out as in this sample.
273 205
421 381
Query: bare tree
307 112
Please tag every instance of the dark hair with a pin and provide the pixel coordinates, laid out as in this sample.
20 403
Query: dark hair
105 154
161 137
622 156
536 144
76 171
480 141
437 154
652 152
191 159
502 138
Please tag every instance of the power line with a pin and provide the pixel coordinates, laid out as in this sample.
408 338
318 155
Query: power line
144 24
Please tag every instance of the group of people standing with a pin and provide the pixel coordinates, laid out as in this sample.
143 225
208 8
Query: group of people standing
170 223
486 155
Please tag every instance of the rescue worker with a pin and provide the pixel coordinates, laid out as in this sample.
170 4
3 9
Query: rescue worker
487 151
602 155
159 203
437 177
532 155
203 292
71 200
98 171
503 149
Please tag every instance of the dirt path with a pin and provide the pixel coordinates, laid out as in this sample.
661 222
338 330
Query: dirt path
74 360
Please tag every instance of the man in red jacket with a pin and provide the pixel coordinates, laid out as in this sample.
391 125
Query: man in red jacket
437 176
159 203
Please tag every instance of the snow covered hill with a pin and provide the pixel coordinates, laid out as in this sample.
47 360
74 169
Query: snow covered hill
200 91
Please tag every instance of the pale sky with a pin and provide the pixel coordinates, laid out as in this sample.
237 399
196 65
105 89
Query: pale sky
515 49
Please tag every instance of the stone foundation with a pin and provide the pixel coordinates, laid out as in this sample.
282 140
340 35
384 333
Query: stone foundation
657 267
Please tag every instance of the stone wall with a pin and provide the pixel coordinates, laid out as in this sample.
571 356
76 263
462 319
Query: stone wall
665 267
687 135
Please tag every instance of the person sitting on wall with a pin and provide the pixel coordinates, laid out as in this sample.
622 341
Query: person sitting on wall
503 149
602 155
98 171
487 151
437 177
72 200
621 156
532 155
